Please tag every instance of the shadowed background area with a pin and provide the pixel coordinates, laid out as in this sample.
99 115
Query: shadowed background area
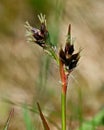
28 75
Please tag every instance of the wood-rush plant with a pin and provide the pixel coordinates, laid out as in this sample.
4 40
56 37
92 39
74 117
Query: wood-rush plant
66 59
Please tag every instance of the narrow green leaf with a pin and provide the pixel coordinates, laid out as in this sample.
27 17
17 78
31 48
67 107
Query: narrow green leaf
27 119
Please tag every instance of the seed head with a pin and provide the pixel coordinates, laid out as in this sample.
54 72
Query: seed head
38 36
66 56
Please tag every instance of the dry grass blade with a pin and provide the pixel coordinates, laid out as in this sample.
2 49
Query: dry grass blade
46 127
8 120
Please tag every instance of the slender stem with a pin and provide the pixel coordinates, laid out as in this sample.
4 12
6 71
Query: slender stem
64 78
63 110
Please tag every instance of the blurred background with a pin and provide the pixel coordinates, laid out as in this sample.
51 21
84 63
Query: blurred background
28 75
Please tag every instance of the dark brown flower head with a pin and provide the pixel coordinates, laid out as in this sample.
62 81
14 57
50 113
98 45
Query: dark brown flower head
67 57
70 61
39 36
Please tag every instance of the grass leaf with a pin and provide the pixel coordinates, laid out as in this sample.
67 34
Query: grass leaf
8 120
46 127
27 119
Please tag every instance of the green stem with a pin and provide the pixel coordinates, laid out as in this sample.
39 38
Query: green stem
63 110
54 55
64 78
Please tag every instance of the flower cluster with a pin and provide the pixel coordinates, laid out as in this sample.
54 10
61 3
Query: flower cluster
42 38
67 57
39 36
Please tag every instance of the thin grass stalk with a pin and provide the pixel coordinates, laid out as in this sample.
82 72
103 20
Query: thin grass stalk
64 78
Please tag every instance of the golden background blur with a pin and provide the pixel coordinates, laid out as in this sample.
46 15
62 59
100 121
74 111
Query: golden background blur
27 75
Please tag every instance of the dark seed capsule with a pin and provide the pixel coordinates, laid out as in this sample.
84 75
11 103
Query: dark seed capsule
62 56
72 61
73 64
69 49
